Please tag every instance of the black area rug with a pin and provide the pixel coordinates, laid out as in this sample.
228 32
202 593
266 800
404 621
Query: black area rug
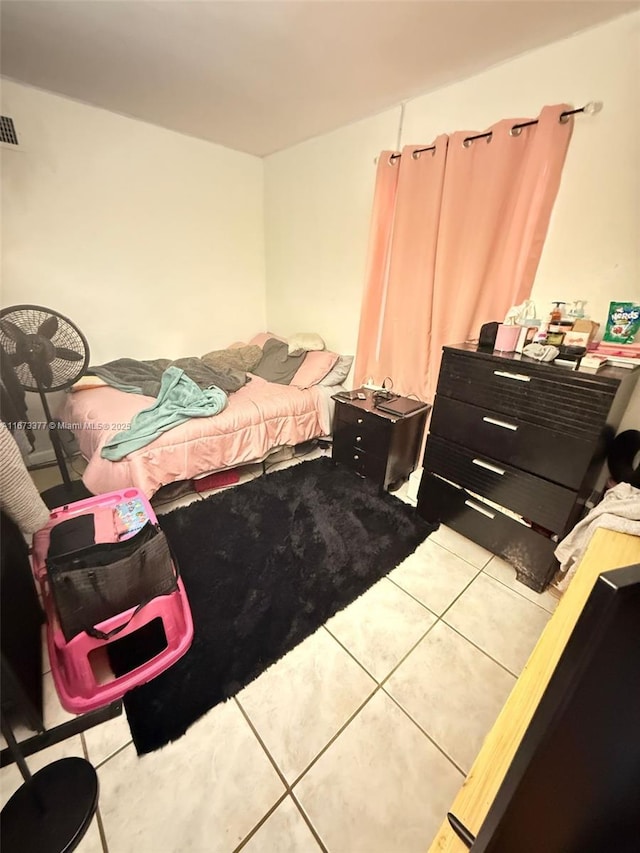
264 565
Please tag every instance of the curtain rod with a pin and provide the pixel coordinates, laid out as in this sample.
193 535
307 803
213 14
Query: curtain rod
590 109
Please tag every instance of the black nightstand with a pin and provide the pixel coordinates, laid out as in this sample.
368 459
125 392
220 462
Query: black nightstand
377 445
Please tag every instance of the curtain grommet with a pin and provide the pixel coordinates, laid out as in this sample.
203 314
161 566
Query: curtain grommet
515 130
466 143
415 155
393 158
489 138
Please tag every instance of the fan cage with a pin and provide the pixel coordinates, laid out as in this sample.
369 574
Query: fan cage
28 318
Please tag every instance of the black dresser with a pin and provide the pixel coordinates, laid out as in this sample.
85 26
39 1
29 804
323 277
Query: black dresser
515 449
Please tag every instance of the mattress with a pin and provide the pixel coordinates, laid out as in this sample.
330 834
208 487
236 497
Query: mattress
259 417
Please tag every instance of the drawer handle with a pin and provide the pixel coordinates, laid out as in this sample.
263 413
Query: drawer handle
358 438
521 377
356 457
482 464
502 424
360 420
479 509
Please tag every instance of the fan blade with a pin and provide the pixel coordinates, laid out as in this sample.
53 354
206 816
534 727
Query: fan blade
17 359
48 327
12 331
68 354
42 373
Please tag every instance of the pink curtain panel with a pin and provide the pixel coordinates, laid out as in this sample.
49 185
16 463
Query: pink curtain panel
455 244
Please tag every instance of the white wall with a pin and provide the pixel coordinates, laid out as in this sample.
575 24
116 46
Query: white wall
318 199
318 195
151 241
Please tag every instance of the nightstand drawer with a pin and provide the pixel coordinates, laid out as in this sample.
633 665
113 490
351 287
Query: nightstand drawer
363 463
529 552
362 430
559 400
539 451
546 504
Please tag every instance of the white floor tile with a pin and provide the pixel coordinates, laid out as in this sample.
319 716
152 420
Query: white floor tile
452 690
285 831
463 547
381 787
499 621
506 574
91 843
434 575
403 494
104 740
300 703
46 664
380 627
205 792
54 713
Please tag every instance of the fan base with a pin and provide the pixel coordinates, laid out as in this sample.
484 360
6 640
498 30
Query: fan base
53 811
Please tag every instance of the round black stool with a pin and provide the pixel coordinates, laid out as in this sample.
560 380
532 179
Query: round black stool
52 810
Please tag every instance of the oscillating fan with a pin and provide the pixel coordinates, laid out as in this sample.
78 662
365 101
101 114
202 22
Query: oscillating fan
48 353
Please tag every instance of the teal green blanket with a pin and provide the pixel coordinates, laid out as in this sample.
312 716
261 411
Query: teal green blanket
178 400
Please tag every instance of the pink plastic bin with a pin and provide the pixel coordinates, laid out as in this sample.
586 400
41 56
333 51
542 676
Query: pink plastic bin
74 677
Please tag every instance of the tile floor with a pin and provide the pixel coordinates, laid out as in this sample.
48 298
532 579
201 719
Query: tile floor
357 740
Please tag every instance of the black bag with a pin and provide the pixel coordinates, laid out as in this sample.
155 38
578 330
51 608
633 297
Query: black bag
96 582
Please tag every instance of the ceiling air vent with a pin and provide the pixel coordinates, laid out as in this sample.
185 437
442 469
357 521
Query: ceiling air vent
8 131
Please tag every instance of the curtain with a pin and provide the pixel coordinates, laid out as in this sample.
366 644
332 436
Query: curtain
397 304
456 238
407 312
497 200
384 201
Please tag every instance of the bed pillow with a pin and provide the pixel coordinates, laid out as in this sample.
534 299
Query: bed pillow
305 342
237 358
314 368
276 365
339 372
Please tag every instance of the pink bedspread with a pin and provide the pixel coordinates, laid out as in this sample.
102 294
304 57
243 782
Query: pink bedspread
258 417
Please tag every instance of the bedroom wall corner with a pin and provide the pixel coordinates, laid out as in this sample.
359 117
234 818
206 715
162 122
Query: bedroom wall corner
318 197
151 241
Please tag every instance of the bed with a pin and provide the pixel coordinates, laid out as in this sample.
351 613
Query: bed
260 417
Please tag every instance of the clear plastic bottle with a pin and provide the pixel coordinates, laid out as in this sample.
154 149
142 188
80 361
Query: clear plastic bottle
556 313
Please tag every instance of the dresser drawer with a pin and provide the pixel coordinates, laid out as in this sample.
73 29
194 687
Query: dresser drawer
364 430
554 456
546 504
363 463
529 552
552 397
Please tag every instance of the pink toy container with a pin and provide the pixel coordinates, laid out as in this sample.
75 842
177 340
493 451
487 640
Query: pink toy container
79 666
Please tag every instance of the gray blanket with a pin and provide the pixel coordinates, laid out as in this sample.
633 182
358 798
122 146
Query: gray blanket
144 377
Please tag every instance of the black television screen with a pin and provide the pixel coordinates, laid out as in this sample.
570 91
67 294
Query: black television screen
574 783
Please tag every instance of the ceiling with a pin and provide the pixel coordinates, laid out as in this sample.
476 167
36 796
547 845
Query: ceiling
262 76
